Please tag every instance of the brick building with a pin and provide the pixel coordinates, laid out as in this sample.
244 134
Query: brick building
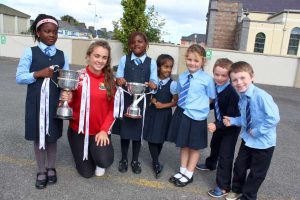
261 26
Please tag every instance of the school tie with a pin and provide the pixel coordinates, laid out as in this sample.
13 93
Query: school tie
184 92
137 61
217 109
47 51
248 115
160 84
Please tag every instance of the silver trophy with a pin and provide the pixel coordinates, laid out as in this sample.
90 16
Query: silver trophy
137 90
67 81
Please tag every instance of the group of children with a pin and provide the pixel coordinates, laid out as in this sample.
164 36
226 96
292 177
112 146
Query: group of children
239 108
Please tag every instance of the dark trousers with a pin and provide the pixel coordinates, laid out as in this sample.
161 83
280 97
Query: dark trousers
258 161
98 156
222 147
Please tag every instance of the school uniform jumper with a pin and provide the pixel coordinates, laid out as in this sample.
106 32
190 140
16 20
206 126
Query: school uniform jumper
257 148
224 139
129 128
188 126
39 62
157 120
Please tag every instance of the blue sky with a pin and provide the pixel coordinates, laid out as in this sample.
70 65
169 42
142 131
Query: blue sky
182 17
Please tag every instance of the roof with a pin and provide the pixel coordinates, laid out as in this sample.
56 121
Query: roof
199 37
12 12
268 6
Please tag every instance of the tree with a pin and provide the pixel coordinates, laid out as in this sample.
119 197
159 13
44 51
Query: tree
70 19
154 25
135 19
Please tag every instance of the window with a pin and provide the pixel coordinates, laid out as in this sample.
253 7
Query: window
259 43
294 42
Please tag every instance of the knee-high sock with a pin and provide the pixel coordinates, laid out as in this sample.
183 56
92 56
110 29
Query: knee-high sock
136 146
124 148
51 154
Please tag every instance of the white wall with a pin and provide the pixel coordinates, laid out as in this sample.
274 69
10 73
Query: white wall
268 69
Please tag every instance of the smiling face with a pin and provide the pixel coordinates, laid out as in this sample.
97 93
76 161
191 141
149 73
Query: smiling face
165 69
241 81
138 45
194 61
47 33
97 60
220 75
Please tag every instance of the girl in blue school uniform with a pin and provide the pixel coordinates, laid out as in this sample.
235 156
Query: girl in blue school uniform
188 128
36 70
159 113
134 67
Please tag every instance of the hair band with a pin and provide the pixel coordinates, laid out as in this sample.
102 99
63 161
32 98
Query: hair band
46 21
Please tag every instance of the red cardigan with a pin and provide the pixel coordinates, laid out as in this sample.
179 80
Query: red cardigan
101 110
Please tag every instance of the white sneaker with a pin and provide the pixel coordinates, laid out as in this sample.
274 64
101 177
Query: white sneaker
99 171
233 196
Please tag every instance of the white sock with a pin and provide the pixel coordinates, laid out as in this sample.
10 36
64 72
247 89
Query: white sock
182 171
188 173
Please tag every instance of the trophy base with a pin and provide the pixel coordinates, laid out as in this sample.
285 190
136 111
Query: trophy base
133 116
63 117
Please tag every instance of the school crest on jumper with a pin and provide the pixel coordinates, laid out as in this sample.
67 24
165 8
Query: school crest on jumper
101 86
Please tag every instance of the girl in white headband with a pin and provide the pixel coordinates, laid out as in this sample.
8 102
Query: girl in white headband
35 69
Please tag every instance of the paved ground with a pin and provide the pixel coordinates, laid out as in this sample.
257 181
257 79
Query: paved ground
17 166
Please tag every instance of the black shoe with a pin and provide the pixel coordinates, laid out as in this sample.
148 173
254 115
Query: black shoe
52 179
136 167
41 184
123 166
178 183
173 179
157 168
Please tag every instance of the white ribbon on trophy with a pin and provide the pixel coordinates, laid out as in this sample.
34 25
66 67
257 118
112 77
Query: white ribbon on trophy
85 114
44 112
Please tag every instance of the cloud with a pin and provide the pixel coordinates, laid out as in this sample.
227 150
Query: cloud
182 17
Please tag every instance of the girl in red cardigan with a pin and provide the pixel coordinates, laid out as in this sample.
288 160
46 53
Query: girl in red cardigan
93 104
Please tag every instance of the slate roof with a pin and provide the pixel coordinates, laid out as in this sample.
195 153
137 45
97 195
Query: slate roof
269 6
12 12
200 37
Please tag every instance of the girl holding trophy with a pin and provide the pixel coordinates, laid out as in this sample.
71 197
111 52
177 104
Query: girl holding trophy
88 132
135 67
35 70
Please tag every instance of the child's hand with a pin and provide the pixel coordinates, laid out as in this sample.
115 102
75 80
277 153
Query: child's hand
226 121
44 73
159 105
211 127
153 101
121 81
151 85
102 139
66 95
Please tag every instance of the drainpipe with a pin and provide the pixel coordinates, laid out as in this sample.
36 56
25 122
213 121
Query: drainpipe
284 29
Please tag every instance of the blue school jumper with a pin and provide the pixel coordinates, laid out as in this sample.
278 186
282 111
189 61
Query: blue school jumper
157 120
39 62
129 128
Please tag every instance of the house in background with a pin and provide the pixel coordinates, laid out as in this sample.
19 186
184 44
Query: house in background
262 26
193 39
13 21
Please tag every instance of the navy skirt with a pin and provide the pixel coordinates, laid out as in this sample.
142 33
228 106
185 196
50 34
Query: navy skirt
157 124
186 132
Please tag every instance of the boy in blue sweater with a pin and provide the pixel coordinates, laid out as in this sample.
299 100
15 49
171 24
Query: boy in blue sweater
259 118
